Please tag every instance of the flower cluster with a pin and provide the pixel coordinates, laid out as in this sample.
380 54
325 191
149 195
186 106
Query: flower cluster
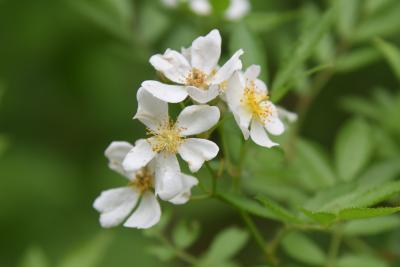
151 165
236 9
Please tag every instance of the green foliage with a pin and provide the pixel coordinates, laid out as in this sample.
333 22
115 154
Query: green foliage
391 54
243 38
302 51
360 260
185 234
89 254
353 149
219 254
34 257
300 247
371 226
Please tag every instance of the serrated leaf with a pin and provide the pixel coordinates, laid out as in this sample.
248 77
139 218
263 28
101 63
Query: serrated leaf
34 257
324 218
362 197
391 54
88 254
353 148
303 50
161 252
360 260
246 204
280 212
225 245
300 247
371 226
313 163
356 59
243 38
184 234
363 213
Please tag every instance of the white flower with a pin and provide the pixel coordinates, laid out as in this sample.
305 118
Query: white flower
195 70
115 205
248 100
169 138
237 9
200 7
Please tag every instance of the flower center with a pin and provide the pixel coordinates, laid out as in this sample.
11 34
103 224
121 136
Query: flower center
197 78
256 102
166 138
143 180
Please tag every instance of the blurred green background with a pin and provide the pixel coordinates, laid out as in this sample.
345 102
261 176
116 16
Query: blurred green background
69 71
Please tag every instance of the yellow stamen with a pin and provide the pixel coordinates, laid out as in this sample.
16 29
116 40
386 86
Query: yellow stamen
166 138
197 78
255 101
143 180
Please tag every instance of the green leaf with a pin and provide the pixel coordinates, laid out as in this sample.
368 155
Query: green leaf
363 197
324 218
353 148
225 245
380 172
391 54
360 260
347 17
371 226
363 213
254 53
161 252
185 234
280 212
382 24
262 22
356 59
303 50
312 163
89 254
248 205
153 22
300 247
34 257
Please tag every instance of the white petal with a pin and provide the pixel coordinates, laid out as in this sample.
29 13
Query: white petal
259 135
184 196
252 72
170 3
274 125
260 85
284 114
235 90
237 9
151 111
166 92
206 51
226 71
195 151
116 153
243 118
139 156
168 182
196 119
187 53
172 64
147 214
200 7
115 205
203 95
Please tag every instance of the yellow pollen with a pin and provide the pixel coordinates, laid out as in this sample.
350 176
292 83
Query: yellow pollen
166 138
142 181
197 78
223 85
255 101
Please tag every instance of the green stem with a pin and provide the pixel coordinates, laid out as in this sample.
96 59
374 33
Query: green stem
255 233
179 253
334 247
214 178
274 244
236 177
